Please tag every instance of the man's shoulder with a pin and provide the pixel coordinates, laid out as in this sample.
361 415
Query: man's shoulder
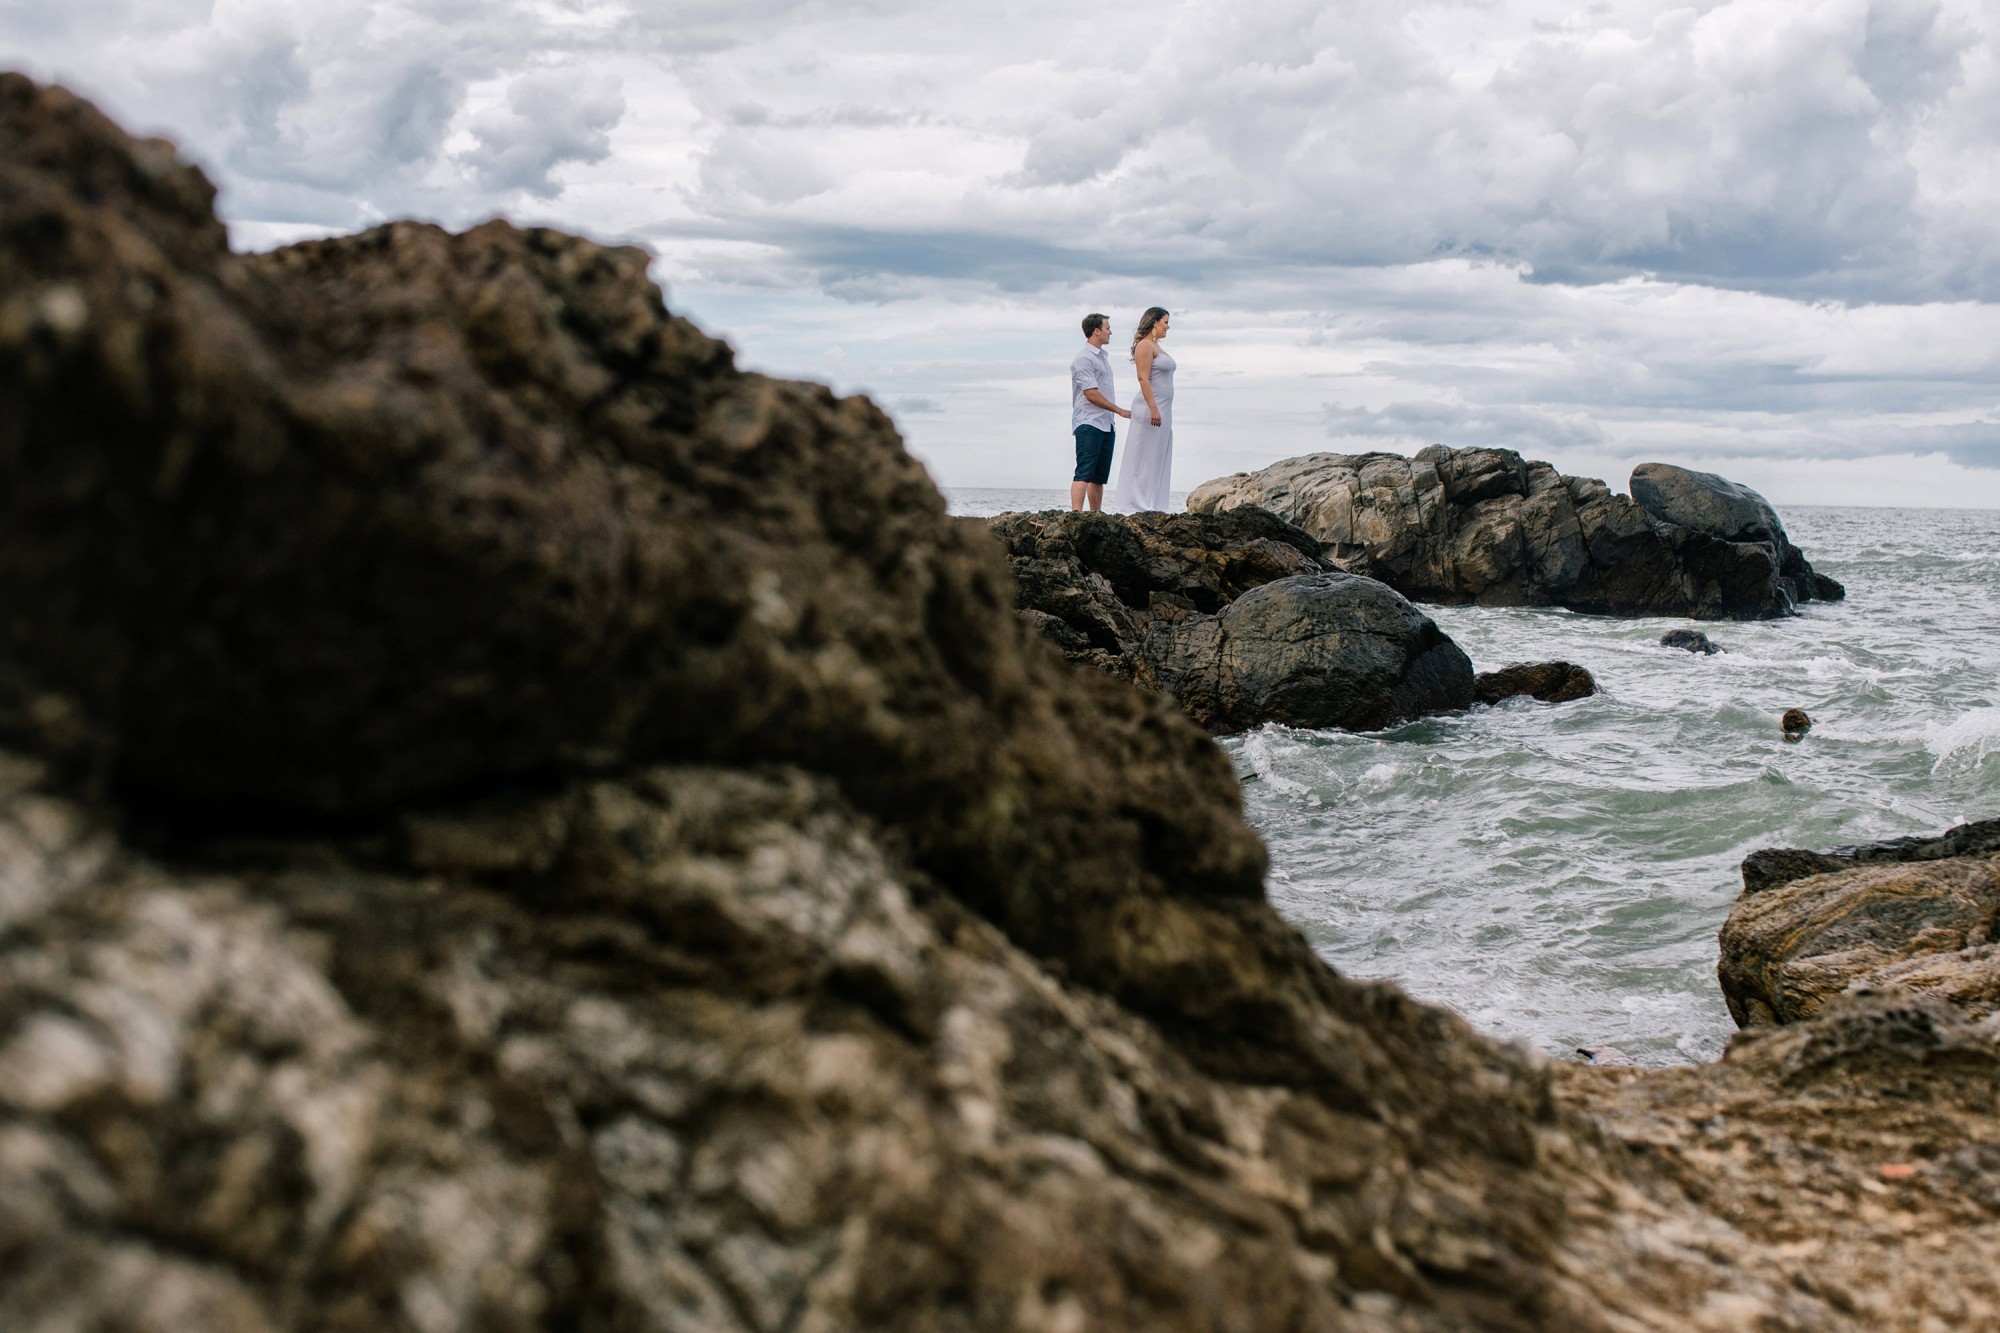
1089 356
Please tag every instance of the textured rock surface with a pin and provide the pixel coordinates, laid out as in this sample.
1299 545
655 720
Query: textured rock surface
1550 682
647 991
1773 866
1488 527
1859 1146
1917 913
1732 512
1928 925
1233 615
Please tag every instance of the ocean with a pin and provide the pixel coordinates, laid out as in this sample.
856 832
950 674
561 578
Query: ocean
1557 873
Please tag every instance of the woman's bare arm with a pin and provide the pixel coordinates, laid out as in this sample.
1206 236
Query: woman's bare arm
1144 357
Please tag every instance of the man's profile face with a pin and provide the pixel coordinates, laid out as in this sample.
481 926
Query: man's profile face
1101 334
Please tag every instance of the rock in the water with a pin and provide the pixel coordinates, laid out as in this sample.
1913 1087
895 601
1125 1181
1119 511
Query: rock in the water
1550 682
1795 723
1690 640
1732 512
1706 503
1488 527
1921 925
1771 867
1234 615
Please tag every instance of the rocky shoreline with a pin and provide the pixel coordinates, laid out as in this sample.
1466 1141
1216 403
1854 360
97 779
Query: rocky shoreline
510 822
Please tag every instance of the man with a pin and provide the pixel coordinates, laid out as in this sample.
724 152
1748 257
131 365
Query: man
1093 410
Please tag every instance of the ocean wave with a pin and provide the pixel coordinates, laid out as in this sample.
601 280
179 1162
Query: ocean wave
1966 739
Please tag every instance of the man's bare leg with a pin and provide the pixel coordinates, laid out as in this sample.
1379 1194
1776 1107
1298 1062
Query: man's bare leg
1076 494
1094 492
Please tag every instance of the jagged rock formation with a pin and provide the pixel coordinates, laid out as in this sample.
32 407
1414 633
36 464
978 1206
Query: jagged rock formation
1235 616
1550 682
1486 526
507 822
1910 914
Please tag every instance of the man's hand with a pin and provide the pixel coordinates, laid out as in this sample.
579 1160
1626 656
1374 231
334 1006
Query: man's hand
1122 412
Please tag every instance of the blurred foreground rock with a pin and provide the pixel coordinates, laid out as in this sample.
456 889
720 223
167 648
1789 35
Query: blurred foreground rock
507 822
1234 615
1486 526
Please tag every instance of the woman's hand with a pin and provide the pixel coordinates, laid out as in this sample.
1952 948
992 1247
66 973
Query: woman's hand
1156 416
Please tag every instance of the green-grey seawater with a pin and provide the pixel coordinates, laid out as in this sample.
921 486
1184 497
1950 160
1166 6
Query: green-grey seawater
1557 873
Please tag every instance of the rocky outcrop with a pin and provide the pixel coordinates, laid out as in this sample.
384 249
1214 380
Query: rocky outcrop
1731 512
1908 914
655 881
1550 682
1485 526
1774 866
1234 616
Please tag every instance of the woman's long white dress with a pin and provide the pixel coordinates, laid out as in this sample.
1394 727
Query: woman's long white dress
1148 463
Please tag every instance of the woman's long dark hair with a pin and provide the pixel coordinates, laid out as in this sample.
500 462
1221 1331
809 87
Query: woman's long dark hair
1153 315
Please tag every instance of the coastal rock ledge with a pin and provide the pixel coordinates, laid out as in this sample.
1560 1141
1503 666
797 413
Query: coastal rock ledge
1236 616
1485 526
1909 914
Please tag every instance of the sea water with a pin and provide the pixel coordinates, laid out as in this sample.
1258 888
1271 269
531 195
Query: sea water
1557 873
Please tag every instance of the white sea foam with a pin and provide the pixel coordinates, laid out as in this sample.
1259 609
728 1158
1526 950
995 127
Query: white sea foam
1965 741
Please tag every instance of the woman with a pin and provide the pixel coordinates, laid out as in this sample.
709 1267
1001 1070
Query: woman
1148 460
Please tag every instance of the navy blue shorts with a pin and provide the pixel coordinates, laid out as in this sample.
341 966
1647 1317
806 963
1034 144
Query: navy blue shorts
1093 454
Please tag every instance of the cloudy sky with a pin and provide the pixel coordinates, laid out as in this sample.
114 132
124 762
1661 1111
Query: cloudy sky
1760 237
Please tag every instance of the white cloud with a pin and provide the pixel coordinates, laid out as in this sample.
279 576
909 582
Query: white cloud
550 118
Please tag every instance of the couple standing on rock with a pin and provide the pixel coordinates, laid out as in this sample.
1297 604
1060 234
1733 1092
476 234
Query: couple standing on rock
1149 455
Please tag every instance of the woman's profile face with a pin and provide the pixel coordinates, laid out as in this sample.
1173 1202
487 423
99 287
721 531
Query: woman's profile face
1160 329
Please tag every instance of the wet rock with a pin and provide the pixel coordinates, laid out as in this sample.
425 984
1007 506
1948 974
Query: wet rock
1690 640
1234 616
1706 503
1550 682
1486 526
1918 925
1771 867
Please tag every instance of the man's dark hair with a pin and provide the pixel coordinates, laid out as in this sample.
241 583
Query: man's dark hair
1092 323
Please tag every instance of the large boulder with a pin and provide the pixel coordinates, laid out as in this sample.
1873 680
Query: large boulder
1313 650
1912 913
1732 512
1235 616
1486 526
